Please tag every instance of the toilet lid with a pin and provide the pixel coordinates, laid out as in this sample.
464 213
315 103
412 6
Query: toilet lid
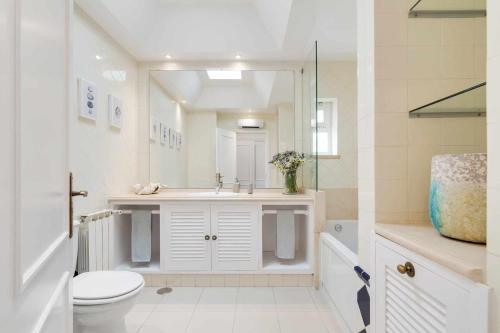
105 284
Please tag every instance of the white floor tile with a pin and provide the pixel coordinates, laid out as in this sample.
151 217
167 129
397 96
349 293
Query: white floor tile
147 300
167 322
333 322
306 322
258 299
218 299
256 322
211 322
133 322
180 299
322 300
294 299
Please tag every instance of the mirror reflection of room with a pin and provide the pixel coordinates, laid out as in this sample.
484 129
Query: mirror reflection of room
230 123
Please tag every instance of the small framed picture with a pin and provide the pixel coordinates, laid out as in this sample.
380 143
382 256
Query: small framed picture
178 143
172 137
153 129
115 108
163 134
87 99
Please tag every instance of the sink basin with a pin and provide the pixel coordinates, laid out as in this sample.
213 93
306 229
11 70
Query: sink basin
215 195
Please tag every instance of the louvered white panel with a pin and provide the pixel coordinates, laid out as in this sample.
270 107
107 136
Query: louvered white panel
236 247
426 303
185 228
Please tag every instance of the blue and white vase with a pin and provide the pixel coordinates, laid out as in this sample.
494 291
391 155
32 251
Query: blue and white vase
457 202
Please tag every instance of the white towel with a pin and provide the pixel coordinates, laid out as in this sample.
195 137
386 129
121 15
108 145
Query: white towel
141 235
285 234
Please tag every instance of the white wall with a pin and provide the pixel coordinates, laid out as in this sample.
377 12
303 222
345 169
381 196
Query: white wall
103 160
494 158
168 164
201 139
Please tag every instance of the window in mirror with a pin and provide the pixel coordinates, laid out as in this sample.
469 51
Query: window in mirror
324 140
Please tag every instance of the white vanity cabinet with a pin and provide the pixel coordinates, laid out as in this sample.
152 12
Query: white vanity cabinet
210 237
185 237
413 294
236 232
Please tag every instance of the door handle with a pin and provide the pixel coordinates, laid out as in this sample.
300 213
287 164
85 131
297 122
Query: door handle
71 195
207 237
214 237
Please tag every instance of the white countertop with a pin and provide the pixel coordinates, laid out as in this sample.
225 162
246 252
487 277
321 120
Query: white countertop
464 258
190 195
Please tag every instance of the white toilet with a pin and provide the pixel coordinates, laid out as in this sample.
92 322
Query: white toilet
101 299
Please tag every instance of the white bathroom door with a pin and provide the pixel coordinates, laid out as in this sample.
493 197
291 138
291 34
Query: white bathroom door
226 154
35 249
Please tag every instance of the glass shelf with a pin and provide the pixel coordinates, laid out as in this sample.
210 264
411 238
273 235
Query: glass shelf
470 102
447 8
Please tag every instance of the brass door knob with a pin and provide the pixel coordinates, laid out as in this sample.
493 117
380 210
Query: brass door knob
407 269
214 237
207 237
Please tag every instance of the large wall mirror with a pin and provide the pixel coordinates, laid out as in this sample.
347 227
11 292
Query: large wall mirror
231 122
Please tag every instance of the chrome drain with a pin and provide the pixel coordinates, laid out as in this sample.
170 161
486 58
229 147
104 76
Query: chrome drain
165 290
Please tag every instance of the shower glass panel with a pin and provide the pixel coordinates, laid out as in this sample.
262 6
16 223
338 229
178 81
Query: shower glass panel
309 119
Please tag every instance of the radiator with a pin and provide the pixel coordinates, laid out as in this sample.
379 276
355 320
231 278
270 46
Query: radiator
94 245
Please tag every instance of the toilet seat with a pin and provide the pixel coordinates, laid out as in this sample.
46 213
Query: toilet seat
103 287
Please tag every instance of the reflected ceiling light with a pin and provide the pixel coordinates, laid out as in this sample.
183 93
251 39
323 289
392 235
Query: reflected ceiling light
98 57
168 56
183 101
224 74
238 56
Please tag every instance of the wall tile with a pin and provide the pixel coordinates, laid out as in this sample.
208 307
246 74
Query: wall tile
458 31
391 129
275 280
457 61
424 32
457 132
423 62
391 162
391 62
424 131
391 96
391 29
391 196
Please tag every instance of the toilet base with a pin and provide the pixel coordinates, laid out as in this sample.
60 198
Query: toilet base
102 318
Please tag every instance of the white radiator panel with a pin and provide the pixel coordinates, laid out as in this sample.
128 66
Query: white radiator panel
94 246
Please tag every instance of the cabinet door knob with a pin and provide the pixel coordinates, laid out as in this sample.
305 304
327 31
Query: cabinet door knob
407 269
214 237
207 237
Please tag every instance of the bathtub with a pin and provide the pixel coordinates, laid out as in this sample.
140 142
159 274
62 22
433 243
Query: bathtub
339 280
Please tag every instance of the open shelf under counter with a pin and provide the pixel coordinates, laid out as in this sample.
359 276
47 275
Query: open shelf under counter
299 265
151 267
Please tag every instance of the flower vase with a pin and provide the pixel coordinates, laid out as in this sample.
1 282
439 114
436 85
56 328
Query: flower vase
291 183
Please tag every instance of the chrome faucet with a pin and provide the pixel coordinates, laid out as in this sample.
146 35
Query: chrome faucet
220 183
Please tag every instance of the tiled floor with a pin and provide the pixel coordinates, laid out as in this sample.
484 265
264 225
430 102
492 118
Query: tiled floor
238 310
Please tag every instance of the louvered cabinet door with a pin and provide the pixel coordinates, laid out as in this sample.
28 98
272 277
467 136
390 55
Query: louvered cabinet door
425 303
235 228
184 232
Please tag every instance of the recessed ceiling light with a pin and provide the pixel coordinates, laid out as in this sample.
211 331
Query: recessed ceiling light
168 56
238 56
224 74
98 57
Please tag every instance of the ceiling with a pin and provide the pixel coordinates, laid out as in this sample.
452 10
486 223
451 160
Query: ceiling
257 91
221 29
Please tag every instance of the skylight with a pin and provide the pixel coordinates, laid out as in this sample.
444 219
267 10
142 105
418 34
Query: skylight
224 74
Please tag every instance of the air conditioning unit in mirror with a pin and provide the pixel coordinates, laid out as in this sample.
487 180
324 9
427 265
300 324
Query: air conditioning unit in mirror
251 123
